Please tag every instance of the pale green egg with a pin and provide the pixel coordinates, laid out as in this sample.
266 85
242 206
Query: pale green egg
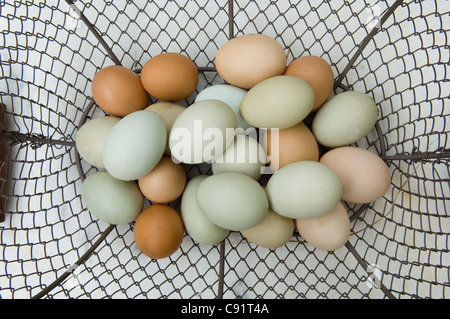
196 224
304 189
232 201
277 102
202 132
344 119
135 145
230 95
111 200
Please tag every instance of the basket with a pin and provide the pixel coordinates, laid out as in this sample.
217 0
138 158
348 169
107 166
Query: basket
52 247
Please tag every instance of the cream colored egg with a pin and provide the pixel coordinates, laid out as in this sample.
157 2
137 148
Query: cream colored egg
278 102
364 176
328 232
91 136
272 232
202 132
196 224
169 112
246 156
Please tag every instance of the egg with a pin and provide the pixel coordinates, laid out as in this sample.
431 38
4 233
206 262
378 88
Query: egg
158 231
91 136
278 102
170 76
364 176
230 95
232 200
111 200
202 132
317 72
293 144
118 91
246 156
328 232
196 224
164 183
135 145
274 231
304 189
248 59
169 111
344 119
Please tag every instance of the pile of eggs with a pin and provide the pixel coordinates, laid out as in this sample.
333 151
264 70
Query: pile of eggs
139 148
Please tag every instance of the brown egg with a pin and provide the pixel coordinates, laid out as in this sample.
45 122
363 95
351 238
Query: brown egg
364 176
164 183
317 72
158 231
327 232
118 91
170 76
293 144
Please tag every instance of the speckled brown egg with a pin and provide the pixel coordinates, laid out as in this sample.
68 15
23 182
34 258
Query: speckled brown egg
118 91
164 183
170 76
317 72
158 231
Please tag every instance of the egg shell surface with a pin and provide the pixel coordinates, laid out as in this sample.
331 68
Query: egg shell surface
158 231
164 183
230 95
232 200
278 102
111 200
118 91
202 132
364 176
196 224
293 144
302 190
135 145
272 232
328 232
169 111
91 136
344 119
246 156
317 72
170 76
248 59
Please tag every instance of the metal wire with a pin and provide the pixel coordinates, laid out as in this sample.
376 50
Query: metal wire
52 247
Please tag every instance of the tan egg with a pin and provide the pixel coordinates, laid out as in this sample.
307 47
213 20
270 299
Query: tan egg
118 91
164 183
317 72
272 232
364 176
158 231
249 59
327 232
170 76
290 145
169 111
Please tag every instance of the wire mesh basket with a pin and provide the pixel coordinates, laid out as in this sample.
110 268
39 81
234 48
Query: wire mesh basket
52 247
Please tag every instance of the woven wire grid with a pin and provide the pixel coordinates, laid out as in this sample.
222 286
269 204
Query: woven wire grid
51 246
